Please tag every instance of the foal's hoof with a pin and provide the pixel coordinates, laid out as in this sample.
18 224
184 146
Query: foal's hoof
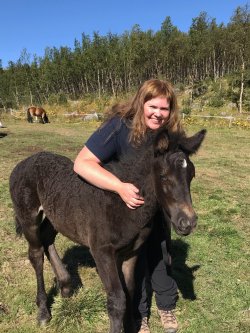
43 322
65 288
66 292
43 319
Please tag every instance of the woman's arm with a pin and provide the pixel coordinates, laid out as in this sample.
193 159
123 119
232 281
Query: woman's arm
87 165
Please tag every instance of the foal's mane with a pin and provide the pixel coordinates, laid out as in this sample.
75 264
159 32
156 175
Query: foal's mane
136 165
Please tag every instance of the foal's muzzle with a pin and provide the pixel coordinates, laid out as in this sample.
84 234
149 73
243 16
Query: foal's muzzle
185 225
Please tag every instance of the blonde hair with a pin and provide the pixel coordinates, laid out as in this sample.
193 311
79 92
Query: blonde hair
134 109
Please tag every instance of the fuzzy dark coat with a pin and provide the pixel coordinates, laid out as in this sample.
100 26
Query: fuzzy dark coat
45 184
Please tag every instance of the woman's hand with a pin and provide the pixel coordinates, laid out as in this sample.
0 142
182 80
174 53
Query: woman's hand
129 194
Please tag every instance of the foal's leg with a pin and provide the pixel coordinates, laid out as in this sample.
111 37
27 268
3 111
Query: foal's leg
62 275
36 257
48 235
128 268
116 300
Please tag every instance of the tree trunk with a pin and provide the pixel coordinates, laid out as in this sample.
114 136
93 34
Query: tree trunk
241 86
214 66
99 84
112 84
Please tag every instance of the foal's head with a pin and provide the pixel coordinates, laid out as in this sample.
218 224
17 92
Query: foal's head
173 172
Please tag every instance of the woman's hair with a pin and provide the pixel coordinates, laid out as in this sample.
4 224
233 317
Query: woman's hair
134 109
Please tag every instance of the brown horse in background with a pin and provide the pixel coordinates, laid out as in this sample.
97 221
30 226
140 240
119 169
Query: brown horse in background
34 111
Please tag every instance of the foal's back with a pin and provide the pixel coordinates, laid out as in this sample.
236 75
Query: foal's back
85 214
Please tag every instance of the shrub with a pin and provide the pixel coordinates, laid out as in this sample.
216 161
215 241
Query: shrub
199 90
59 99
62 99
186 110
52 99
186 106
216 101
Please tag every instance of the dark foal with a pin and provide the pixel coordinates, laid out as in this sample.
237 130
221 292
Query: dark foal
37 112
46 185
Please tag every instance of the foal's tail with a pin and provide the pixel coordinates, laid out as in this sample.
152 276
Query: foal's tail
19 229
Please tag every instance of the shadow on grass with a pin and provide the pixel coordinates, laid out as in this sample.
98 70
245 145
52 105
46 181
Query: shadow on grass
183 274
2 135
79 256
74 257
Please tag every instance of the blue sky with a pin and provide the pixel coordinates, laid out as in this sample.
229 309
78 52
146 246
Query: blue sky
37 24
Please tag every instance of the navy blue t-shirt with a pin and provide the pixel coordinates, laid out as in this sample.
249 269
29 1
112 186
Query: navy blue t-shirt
111 140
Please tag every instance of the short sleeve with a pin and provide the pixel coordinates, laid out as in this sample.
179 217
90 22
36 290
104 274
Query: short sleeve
103 142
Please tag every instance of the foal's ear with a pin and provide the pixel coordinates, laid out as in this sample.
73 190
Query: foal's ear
161 143
193 143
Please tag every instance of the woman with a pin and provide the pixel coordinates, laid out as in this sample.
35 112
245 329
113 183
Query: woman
127 127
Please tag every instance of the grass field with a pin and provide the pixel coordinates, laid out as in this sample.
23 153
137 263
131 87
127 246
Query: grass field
211 266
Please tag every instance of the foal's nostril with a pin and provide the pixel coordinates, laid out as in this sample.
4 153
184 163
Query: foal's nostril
184 223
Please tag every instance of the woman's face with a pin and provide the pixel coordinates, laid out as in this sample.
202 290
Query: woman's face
156 112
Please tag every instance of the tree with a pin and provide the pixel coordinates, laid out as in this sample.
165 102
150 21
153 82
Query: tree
240 32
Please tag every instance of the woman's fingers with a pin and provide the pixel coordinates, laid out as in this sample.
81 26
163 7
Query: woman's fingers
137 201
131 207
130 195
135 194
134 203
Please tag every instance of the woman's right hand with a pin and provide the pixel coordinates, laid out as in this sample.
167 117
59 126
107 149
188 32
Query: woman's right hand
130 195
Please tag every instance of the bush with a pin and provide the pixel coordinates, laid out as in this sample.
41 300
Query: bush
58 99
186 106
216 101
62 99
52 99
186 110
199 90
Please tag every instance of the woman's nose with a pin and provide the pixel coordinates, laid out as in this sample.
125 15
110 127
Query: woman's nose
157 112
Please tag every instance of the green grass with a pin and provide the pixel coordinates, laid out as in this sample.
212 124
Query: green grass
211 266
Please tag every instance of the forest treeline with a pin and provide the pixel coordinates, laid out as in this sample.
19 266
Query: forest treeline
115 64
